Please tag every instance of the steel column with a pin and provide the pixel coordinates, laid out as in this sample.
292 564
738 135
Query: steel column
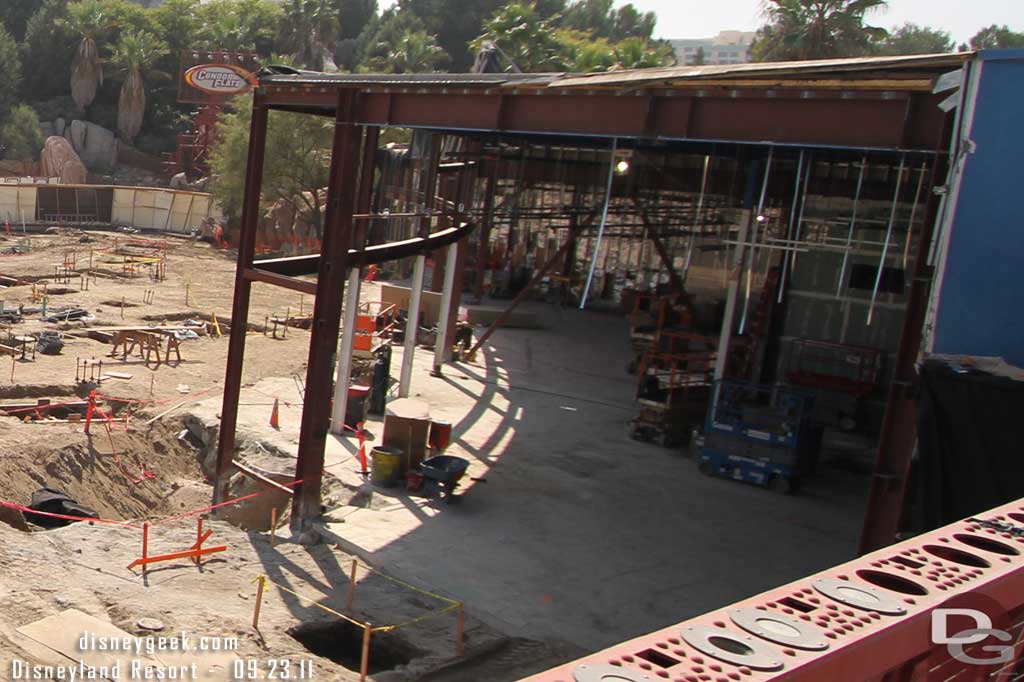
604 221
899 425
428 183
344 364
732 294
243 289
441 346
483 252
334 257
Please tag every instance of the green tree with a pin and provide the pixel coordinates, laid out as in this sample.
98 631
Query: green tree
394 43
177 23
20 136
415 52
16 14
525 38
700 58
90 21
239 26
599 18
914 39
10 73
47 52
817 29
308 31
455 23
298 150
355 18
996 37
134 55
637 53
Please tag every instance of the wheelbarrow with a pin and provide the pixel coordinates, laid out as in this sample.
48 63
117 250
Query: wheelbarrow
441 475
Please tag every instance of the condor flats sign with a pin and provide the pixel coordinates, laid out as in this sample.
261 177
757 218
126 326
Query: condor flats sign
214 77
219 79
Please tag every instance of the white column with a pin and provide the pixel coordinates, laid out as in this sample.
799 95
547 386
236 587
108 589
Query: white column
733 293
440 351
348 332
412 326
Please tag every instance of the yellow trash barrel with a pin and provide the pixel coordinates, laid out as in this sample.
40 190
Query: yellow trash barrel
386 466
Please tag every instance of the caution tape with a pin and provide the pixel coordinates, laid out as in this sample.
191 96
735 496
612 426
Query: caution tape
220 505
37 408
453 602
315 603
380 628
436 614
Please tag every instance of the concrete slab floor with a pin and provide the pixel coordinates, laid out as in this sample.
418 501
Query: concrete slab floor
580 533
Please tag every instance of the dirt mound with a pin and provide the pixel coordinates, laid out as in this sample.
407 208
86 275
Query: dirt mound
122 475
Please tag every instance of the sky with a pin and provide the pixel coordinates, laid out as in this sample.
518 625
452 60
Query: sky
704 18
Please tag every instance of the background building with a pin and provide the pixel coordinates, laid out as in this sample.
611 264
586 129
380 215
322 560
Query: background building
728 47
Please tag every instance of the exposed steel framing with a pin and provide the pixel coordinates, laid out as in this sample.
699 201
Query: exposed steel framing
852 118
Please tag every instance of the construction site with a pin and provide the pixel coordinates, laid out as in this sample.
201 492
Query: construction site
584 359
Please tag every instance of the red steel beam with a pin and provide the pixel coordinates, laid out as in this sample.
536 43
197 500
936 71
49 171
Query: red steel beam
848 118
334 259
243 289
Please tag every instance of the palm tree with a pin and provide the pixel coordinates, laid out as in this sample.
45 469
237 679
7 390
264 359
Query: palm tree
525 38
817 29
414 52
134 55
308 32
88 19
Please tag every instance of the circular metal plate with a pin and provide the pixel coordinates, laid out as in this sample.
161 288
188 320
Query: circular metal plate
733 647
607 673
859 595
780 629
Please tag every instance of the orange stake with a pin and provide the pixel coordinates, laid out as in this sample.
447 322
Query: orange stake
273 525
259 602
352 585
145 545
364 666
199 539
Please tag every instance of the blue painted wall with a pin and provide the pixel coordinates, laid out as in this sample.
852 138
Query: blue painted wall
981 306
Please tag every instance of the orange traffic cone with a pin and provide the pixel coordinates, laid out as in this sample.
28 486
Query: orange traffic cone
275 417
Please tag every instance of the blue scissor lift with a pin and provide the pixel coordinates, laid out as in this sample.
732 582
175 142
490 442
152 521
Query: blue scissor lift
759 434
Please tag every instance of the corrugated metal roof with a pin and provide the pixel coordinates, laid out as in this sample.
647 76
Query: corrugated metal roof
836 67
464 80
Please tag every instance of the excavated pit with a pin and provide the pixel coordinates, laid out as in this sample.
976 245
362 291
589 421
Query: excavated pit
342 642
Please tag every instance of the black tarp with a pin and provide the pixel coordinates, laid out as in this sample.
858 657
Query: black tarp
970 428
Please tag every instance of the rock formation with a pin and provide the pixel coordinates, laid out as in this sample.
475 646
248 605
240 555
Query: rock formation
59 160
